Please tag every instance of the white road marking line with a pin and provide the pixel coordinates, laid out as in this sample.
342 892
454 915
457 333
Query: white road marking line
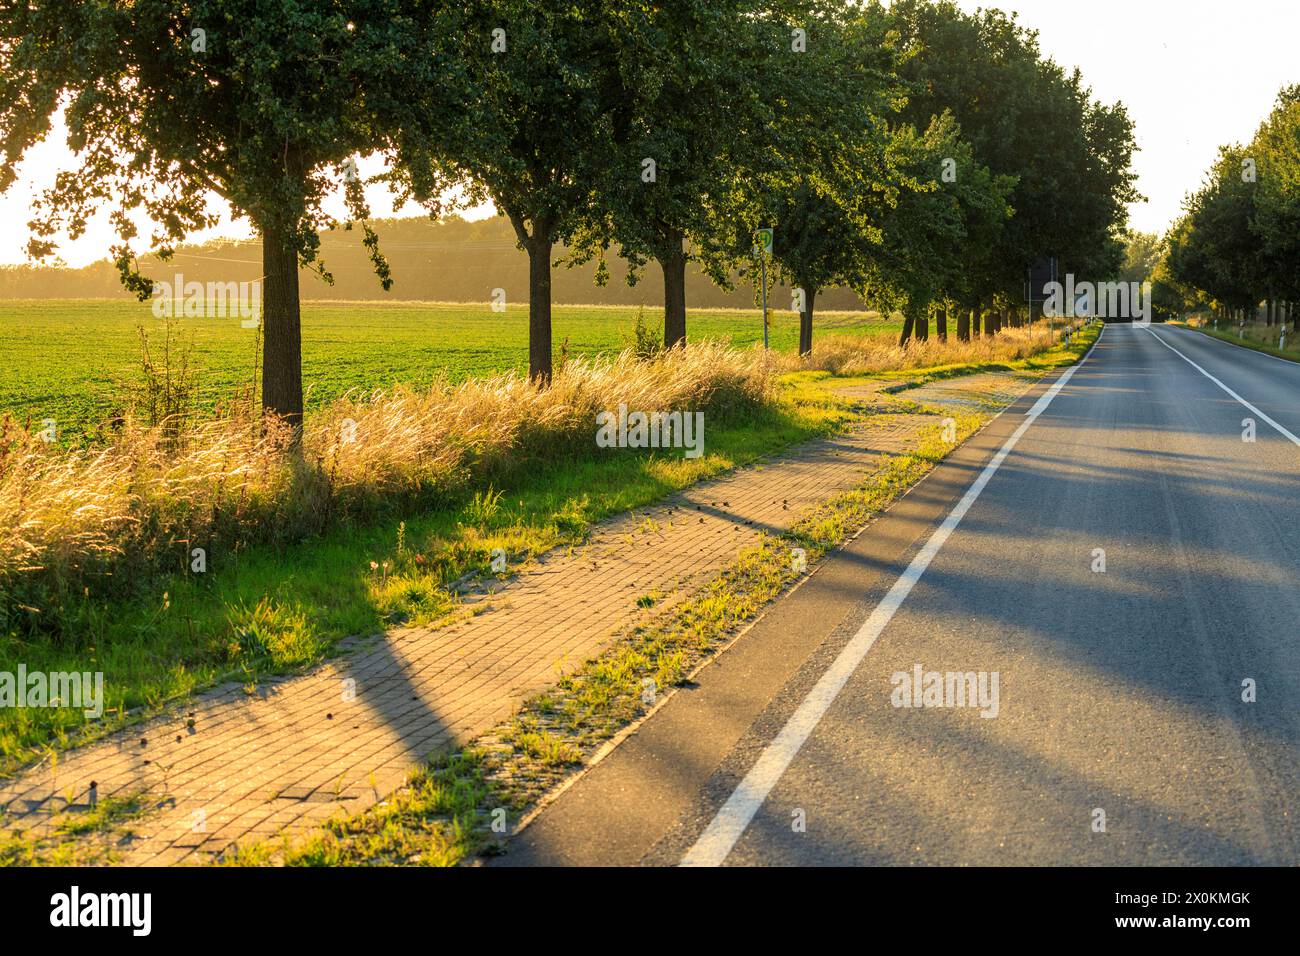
1293 438
721 835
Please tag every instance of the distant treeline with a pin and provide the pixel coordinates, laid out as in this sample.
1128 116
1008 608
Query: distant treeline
451 261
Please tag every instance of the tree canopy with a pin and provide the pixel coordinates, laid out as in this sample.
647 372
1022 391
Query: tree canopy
1023 117
1239 239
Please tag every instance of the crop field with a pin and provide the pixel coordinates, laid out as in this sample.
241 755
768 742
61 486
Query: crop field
74 361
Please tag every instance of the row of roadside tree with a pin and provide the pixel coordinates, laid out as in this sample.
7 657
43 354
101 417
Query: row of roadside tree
1237 246
922 156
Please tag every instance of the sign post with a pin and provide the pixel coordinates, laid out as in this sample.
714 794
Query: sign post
1039 275
763 247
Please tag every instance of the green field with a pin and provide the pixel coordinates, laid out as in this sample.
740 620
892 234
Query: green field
69 360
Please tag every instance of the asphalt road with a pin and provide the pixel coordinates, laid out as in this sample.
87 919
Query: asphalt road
1121 735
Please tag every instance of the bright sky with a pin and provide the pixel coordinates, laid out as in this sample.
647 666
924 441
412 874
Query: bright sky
1194 74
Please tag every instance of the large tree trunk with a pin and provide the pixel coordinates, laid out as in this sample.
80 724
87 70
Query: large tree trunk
281 327
963 324
674 265
976 320
539 307
923 324
909 321
806 319
941 324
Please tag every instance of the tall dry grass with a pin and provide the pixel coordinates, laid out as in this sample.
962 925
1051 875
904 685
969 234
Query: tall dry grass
855 355
104 518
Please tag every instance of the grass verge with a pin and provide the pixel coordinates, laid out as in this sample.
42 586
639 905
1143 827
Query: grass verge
463 803
273 610
1258 338
279 607
85 838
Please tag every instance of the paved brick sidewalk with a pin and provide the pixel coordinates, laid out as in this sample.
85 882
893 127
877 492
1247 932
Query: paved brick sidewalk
231 766
984 390
988 390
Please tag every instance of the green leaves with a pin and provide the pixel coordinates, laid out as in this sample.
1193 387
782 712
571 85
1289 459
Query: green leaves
1025 118
819 168
1276 219
1222 246
690 84
166 101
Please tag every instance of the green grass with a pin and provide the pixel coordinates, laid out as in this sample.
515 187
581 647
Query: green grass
277 610
85 838
68 360
433 821
1261 338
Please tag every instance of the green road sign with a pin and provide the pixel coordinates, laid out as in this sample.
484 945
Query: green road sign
764 240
